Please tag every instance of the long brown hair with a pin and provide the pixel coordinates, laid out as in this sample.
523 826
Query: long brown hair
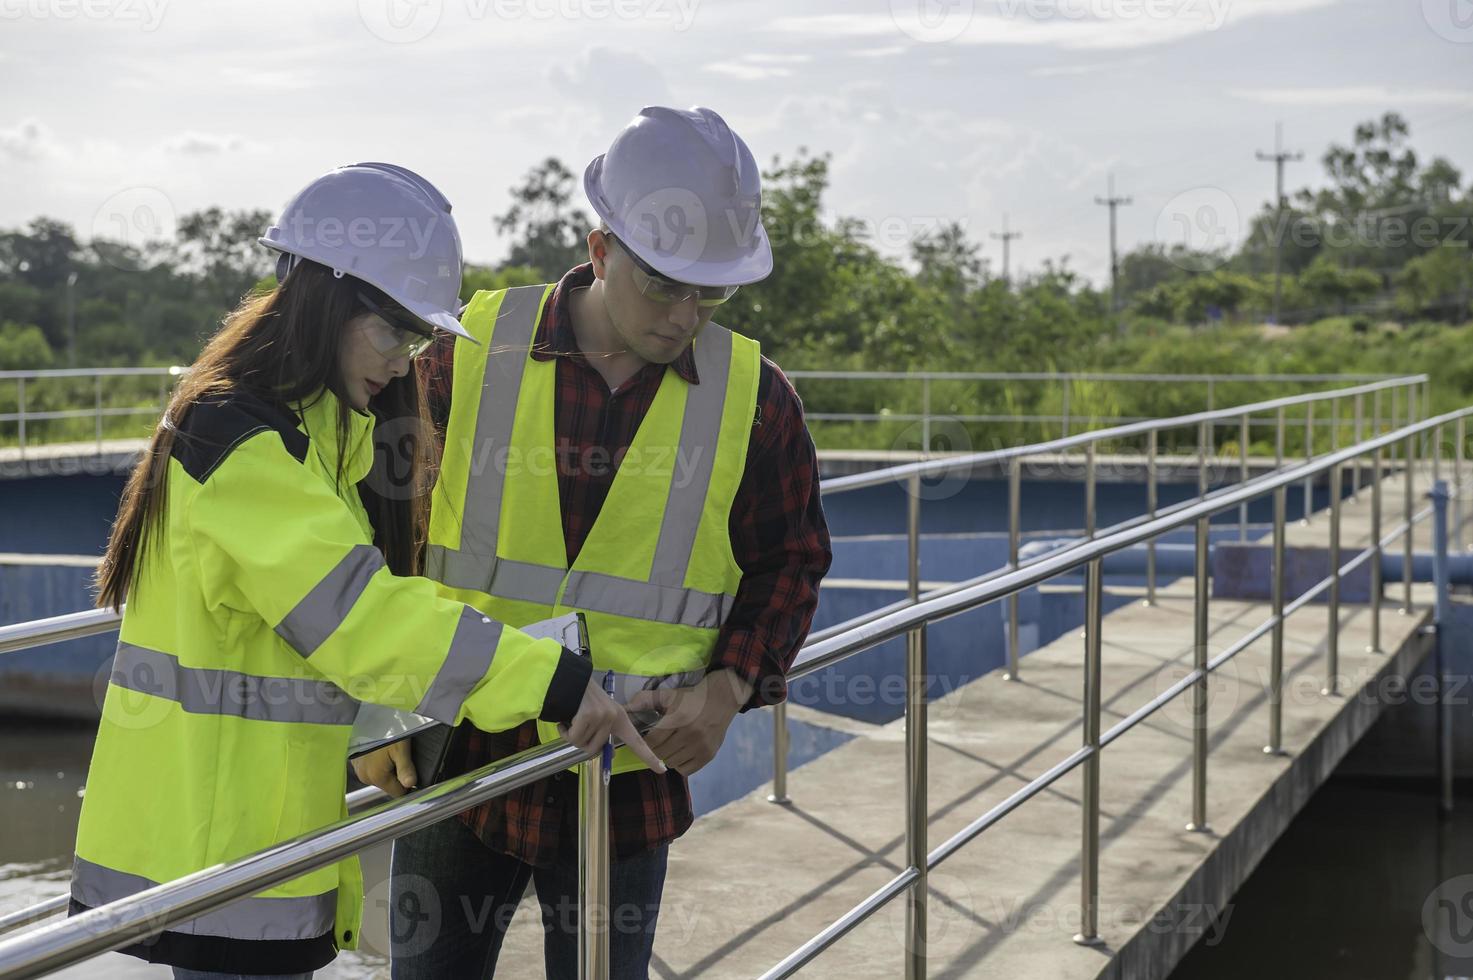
282 346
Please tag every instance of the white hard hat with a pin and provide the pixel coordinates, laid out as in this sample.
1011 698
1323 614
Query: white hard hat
683 192
383 224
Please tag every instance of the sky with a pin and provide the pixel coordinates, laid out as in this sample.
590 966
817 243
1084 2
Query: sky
118 116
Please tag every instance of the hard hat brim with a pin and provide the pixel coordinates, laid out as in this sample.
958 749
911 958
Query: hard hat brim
430 313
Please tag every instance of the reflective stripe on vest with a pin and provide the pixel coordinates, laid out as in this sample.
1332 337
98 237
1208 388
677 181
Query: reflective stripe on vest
214 691
664 597
247 918
323 609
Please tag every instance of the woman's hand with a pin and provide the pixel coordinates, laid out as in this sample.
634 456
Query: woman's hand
390 768
598 717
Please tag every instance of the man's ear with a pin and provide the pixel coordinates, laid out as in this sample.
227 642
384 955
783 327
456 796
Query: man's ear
598 252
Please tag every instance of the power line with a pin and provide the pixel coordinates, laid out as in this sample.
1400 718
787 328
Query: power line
1112 202
1279 157
1006 238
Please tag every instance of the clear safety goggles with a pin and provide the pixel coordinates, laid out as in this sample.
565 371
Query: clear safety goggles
394 337
653 286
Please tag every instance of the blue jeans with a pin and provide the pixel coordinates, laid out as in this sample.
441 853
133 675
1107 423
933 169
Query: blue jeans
180 973
452 898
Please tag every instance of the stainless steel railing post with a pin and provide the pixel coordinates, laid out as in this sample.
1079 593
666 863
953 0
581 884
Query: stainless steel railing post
1461 431
1409 453
1275 744
1151 443
779 792
1308 457
1015 533
594 913
1089 870
1332 641
1199 688
916 811
1377 587
1359 434
1243 436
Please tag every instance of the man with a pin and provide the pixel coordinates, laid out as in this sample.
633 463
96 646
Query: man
611 449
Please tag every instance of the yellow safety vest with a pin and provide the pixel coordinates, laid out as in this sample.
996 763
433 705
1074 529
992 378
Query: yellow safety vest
656 576
262 616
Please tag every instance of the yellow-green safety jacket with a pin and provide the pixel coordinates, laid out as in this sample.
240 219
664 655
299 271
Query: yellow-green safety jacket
656 576
263 613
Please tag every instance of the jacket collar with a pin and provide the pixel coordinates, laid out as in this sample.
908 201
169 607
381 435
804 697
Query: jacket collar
320 421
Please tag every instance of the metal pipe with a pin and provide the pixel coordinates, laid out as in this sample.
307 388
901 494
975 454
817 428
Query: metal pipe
1089 870
1308 456
51 947
1275 744
20 408
1199 689
1243 436
1458 452
1409 451
1332 641
97 405
1359 433
779 792
1442 608
1377 587
834 646
1089 490
1151 514
1065 429
593 871
1204 433
945 465
916 812
1015 533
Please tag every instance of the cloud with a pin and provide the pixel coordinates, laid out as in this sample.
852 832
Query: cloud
748 72
1068 24
27 142
1355 95
205 144
611 83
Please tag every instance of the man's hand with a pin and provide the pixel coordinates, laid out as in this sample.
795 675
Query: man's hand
390 768
695 719
598 717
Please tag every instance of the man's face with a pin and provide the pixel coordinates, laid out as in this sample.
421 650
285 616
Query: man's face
658 332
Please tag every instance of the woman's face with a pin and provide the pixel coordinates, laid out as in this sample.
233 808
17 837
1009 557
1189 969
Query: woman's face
363 369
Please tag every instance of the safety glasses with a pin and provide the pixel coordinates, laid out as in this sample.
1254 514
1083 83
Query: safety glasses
394 338
660 289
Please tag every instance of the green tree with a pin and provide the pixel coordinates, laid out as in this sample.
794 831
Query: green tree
548 232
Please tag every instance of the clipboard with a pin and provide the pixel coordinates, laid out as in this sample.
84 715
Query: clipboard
376 725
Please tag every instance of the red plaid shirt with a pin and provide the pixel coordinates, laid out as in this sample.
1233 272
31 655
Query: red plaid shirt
778 536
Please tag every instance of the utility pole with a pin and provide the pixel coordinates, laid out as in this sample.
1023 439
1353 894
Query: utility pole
1112 202
1279 157
1006 237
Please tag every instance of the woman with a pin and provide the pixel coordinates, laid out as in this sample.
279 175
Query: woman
266 553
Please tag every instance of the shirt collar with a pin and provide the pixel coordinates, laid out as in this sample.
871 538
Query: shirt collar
320 420
555 333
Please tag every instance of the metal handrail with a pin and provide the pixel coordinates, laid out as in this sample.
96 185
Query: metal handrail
911 880
820 653
52 947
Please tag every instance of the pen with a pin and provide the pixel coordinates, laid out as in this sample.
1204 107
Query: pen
608 761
